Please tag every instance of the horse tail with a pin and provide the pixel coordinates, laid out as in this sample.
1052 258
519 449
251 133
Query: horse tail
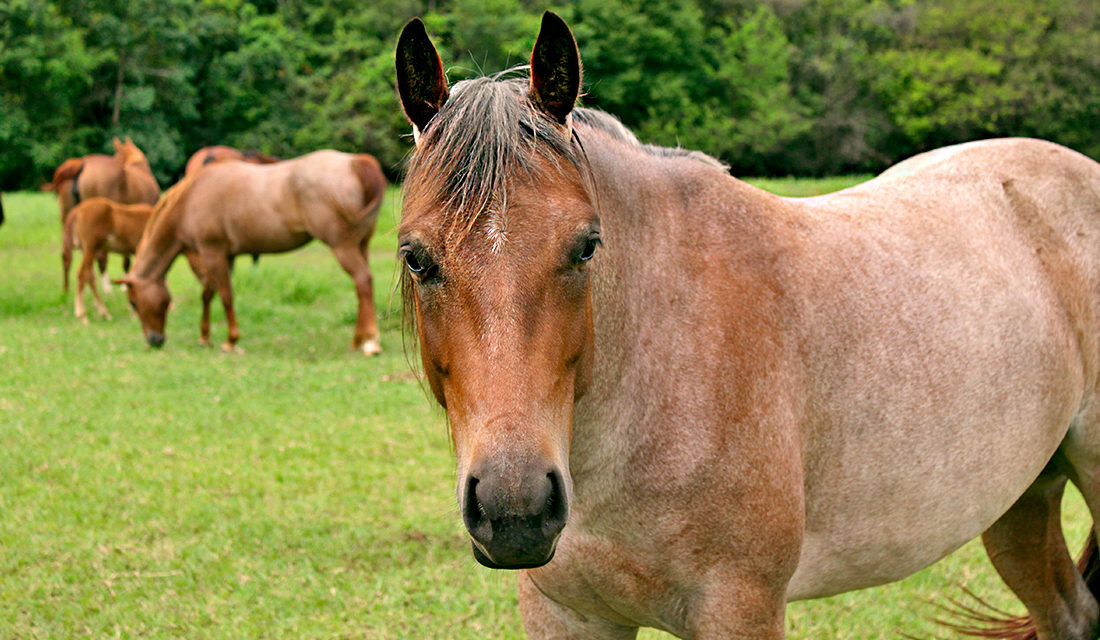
69 170
987 621
1 211
374 183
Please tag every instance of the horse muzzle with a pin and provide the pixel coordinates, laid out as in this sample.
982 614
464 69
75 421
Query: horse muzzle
514 520
155 339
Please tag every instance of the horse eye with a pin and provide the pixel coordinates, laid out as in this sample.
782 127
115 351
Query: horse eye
589 249
419 263
412 263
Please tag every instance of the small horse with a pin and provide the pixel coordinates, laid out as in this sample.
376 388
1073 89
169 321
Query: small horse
125 178
678 401
220 153
98 226
235 208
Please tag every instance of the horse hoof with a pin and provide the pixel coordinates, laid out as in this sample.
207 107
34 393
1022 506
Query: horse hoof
84 320
204 342
372 347
231 348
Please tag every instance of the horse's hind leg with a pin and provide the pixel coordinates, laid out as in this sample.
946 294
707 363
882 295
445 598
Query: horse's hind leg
1028 549
544 619
84 276
353 258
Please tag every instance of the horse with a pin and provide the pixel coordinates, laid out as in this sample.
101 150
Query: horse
1 210
220 153
99 226
234 208
125 177
678 401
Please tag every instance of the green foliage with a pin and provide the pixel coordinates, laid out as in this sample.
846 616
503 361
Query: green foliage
770 86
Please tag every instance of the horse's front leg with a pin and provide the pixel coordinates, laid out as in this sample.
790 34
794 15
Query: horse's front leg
544 619
215 266
353 258
207 296
104 277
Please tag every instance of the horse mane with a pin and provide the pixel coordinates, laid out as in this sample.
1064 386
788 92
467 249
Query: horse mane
165 206
609 124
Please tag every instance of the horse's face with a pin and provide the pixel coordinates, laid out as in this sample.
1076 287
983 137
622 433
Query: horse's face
501 303
150 300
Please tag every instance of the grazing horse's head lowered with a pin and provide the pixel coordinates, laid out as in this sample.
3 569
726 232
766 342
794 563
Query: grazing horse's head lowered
497 238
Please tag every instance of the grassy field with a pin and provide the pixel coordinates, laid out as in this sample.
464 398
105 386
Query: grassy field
298 490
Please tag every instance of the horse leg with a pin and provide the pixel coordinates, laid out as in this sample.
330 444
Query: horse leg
353 258
100 307
207 296
1028 550
84 275
66 264
104 277
215 266
544 619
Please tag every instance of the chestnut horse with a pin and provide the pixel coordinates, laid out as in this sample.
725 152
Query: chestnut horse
678 401
125 178
235 208
99 226
220 153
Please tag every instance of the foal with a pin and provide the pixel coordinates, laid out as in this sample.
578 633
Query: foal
125 178
99 226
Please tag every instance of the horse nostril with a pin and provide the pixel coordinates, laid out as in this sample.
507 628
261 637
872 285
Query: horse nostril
473 513
557 507
156 339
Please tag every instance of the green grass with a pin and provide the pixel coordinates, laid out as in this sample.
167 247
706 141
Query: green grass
298 490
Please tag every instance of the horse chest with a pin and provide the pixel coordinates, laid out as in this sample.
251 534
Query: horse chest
605 578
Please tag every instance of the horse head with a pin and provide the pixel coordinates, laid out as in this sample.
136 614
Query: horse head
150 299
130 153
497 239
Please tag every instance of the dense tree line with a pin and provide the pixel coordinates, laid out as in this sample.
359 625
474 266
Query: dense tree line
770 86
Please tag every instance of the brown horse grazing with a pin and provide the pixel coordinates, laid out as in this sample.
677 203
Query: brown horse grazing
235 208
125 178
98 226
219 153
681 402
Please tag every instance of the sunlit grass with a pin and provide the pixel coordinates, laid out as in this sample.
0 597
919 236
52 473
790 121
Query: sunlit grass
299 490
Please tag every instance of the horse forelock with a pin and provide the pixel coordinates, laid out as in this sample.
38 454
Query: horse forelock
486 133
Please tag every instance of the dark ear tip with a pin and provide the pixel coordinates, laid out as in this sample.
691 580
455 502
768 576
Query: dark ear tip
414 28
551 20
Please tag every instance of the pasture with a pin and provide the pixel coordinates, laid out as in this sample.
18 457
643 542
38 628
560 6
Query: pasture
298 490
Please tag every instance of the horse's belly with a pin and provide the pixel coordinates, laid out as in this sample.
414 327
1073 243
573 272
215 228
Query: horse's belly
908 475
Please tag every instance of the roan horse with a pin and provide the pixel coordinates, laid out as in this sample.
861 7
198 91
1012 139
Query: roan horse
100 225
125 178
680 402
221 153
235 208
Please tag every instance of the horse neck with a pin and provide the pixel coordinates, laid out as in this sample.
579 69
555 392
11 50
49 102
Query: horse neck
664 221
160 244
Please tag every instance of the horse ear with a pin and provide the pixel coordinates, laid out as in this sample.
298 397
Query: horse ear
420 79
129 141
555 69
118 143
